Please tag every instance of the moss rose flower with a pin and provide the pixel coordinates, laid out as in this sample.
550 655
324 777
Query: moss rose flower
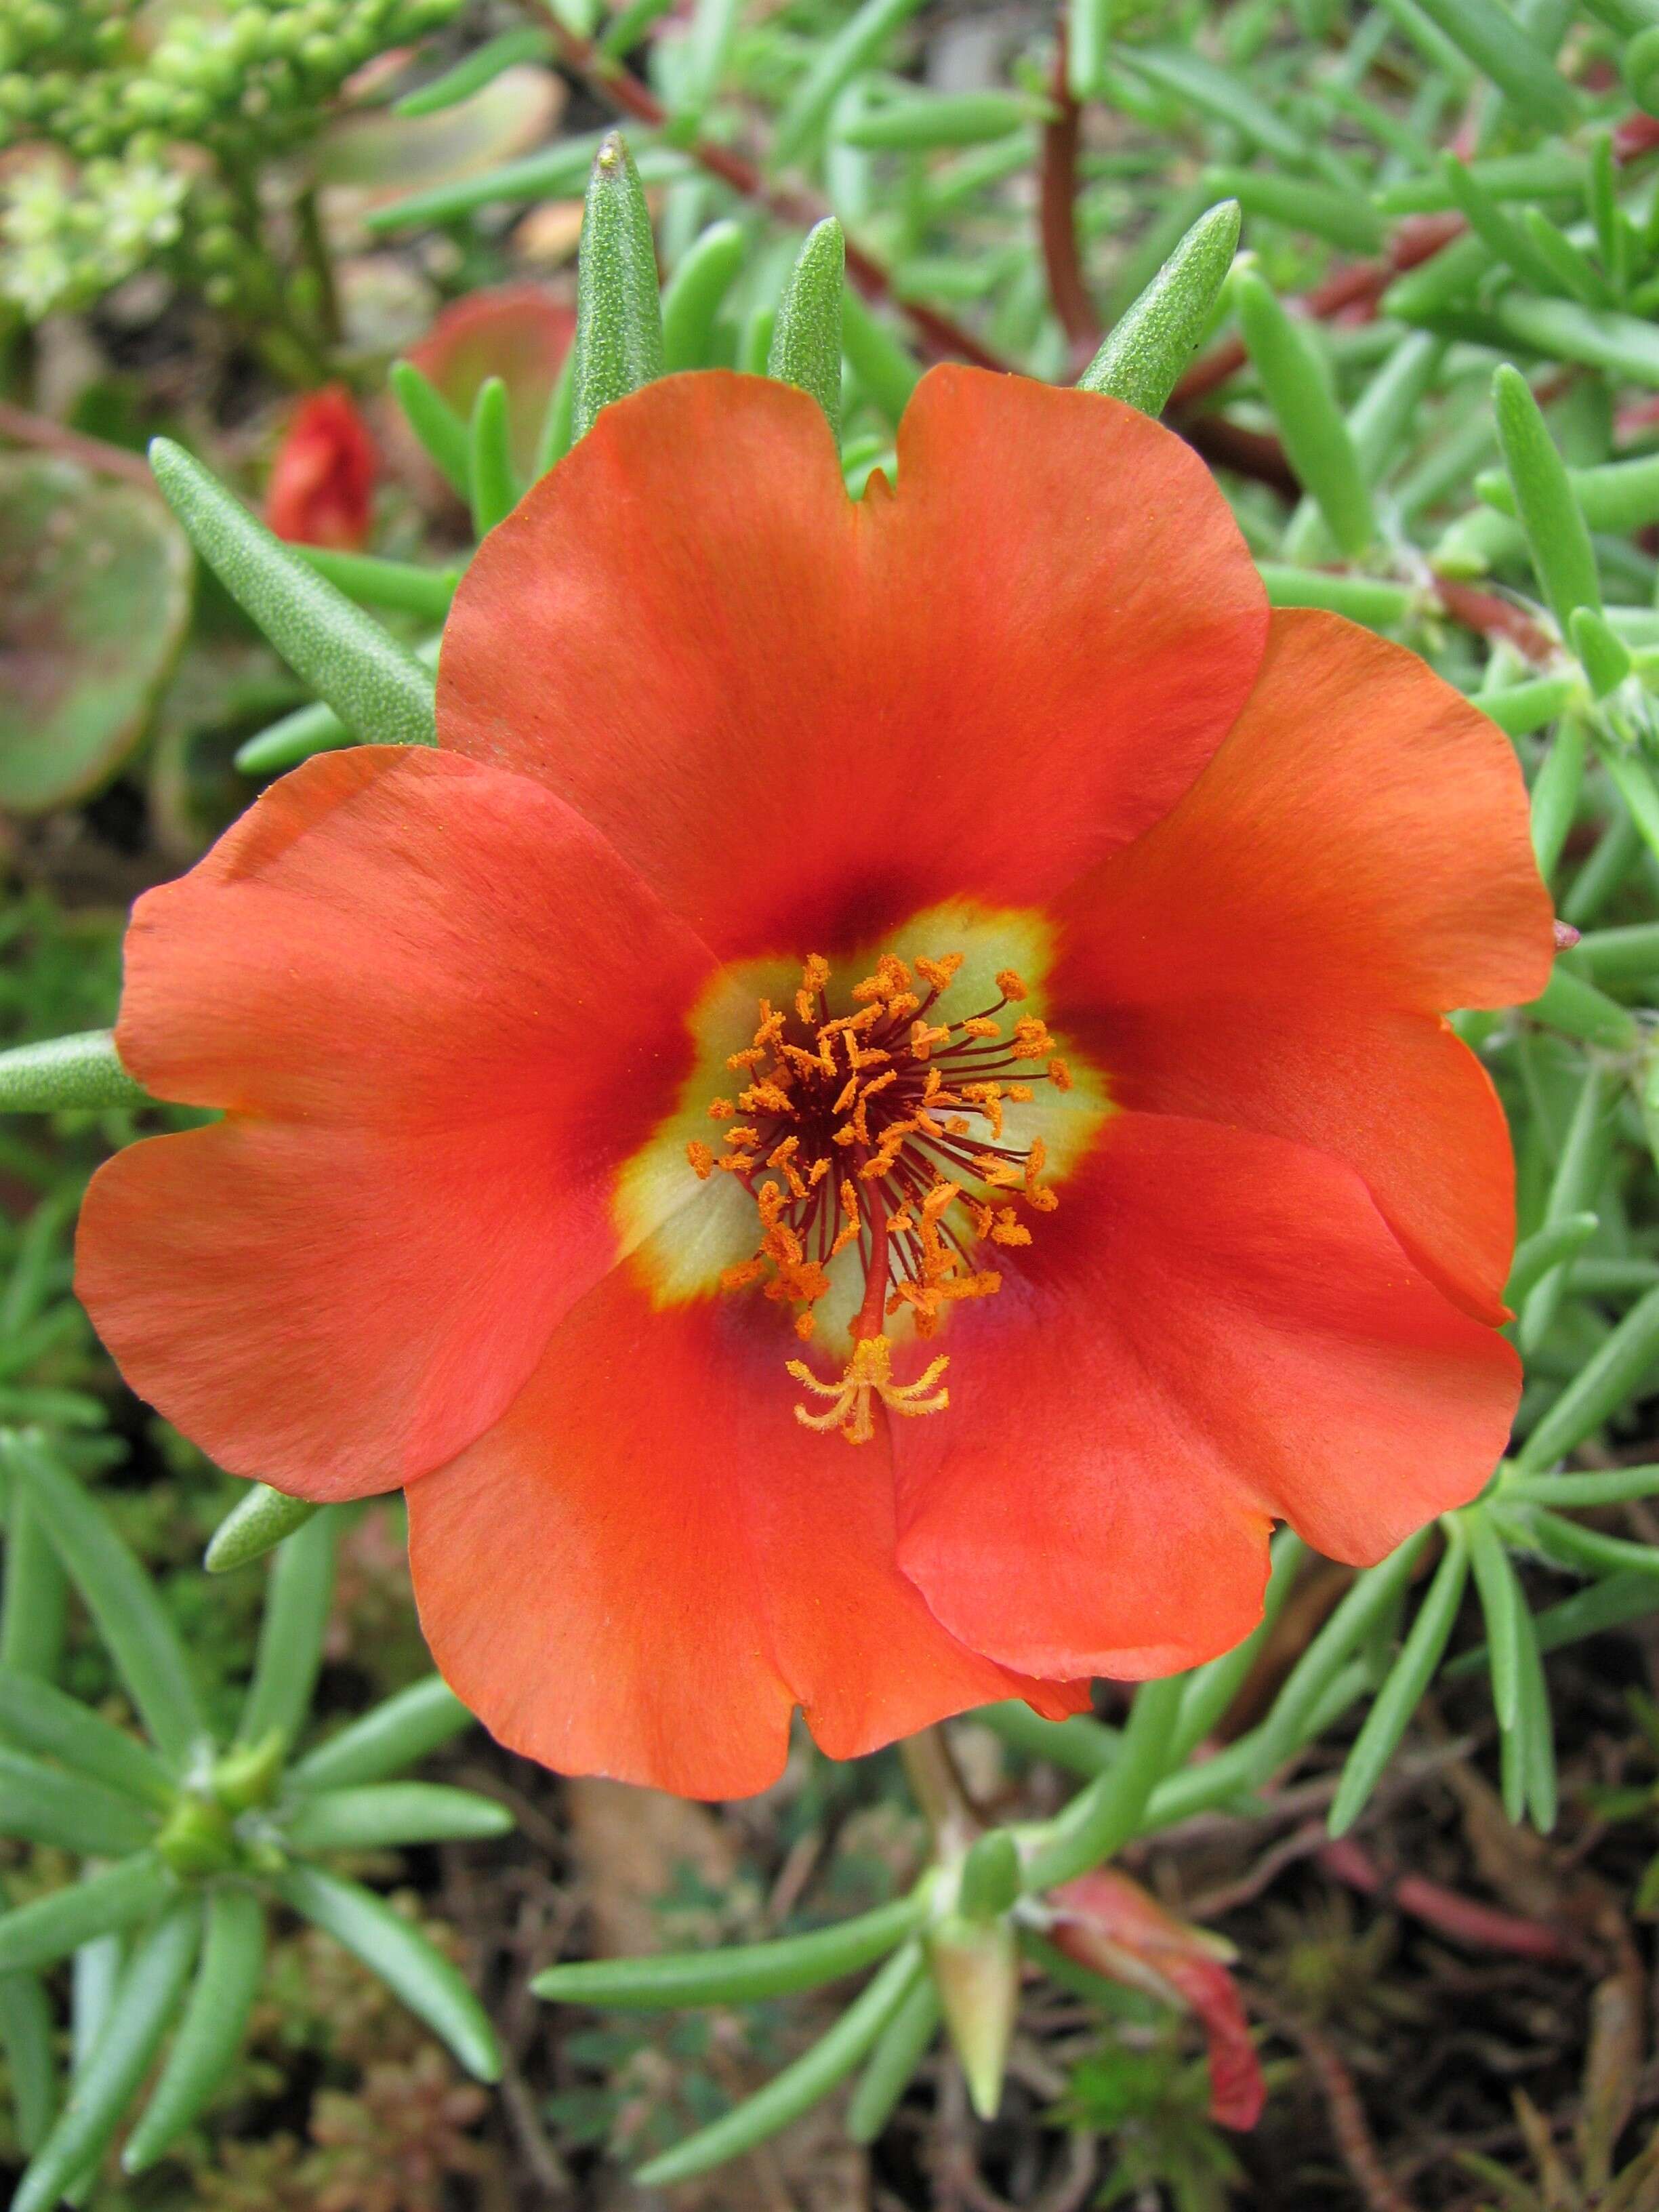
949 974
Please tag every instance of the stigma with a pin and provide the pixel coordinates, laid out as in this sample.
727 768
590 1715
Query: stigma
882 1129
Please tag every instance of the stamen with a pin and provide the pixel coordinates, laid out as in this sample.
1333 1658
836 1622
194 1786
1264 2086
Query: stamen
899 1140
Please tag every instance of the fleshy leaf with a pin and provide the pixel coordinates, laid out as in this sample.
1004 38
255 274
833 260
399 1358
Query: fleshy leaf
95 597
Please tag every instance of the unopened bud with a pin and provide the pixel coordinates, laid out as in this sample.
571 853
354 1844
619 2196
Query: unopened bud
197 1838
249 1775
990 1876
976 1967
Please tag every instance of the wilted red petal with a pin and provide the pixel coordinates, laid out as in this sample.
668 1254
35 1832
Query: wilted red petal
1217 1328
440 1011
1109 1924
803 719
321 490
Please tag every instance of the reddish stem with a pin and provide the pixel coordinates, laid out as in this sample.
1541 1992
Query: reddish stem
1350 2128
1057 215
1482 1927
1492 616
26 429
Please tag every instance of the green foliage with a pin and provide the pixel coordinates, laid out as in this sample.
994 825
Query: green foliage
145 130
1153 2105
1456 446
202 1835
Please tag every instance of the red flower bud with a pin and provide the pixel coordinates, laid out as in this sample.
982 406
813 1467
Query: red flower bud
322 482
1111 1925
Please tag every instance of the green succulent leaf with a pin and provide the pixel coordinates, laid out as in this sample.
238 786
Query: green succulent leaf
94 601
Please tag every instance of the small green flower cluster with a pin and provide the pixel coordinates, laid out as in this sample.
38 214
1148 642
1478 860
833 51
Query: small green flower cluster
69 237
120 127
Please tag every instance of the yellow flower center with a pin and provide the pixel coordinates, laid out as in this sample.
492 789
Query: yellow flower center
883 1127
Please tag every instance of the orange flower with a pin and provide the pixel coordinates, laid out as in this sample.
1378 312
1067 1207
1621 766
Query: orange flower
322 481
951 970
1112 1925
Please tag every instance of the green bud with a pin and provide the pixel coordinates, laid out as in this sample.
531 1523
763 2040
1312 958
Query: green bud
976 1967
249 1775
990 1876
197 1838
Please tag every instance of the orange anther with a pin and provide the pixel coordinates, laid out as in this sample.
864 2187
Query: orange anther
1060 1075
1031 1039
702 1159
1009 984
939 975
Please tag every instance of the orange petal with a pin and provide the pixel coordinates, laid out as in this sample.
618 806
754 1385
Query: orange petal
803 719
1362 835
441 1012
647 1563
1396 1095
1215 1328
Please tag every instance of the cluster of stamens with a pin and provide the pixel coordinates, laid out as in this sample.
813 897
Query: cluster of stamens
883 1127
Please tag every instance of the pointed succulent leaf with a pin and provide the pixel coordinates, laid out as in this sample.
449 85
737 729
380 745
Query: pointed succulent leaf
256 1524
691 298
28 2039
618 342
413 1968
799 2087
121 1597
298 1593
148 1996
49 1927
374 684
42 1804
1556 534
209 2038
806 349
742 1974
390 1735
1143 359
386 1815
899 2048
1316 438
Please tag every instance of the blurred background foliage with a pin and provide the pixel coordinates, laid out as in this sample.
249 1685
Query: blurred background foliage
329 245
